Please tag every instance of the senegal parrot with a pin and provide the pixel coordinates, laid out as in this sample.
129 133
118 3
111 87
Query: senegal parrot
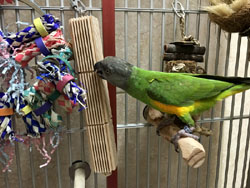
182 94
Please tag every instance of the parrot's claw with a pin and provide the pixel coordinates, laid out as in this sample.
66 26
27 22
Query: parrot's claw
202 130
185 132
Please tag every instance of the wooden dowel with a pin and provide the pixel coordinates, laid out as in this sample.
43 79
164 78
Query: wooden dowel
182 56
194 49
79 181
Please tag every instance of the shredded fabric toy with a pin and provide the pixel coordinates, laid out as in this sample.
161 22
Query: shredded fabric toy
41 27
55 84
41 45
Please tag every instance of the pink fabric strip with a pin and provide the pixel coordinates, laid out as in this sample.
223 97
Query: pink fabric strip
65 79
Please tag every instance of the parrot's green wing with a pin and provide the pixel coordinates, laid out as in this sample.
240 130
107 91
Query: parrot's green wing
183 90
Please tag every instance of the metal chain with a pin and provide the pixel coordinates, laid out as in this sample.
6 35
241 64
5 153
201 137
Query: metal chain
78 6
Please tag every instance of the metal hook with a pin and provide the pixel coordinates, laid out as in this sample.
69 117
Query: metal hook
34 6
180 14
79 6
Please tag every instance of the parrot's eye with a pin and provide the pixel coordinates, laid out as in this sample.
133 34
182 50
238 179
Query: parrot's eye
107 71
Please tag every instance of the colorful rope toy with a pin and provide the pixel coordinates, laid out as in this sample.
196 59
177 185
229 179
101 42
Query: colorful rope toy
55 84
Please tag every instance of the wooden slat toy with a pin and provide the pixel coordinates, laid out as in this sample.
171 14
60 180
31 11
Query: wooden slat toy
87 48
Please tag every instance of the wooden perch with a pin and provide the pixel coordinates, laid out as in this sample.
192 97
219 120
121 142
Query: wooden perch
194 49
192 151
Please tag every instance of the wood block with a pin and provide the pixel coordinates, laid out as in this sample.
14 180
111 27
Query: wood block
87 48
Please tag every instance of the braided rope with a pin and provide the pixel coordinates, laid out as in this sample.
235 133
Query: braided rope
30 33
54 40
71 89
5 121
61 57
49 88
16 50
55 73
12 74
33 127
35 101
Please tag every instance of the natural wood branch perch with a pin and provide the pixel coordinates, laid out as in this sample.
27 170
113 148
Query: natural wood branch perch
196 49
192 151
182 56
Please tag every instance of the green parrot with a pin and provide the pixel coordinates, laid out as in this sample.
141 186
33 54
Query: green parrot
182 94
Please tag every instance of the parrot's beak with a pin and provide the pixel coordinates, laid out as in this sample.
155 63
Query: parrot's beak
97 69
96 66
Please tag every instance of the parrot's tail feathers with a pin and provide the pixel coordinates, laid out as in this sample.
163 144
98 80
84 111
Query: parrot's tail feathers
234 80
232 91
240 84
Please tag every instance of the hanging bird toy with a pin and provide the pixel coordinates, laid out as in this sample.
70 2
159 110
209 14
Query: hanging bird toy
56 84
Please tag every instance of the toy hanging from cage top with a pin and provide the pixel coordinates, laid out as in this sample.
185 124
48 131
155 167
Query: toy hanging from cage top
86 38
182 56
55 83
231 15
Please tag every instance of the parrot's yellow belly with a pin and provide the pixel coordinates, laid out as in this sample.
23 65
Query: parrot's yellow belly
171 109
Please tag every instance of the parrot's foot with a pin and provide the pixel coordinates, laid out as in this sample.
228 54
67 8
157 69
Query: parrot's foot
185 132
202 130
166 122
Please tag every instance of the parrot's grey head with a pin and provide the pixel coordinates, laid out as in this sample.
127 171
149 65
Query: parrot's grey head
115 70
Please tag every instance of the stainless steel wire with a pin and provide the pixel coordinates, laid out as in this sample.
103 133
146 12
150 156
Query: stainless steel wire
159 163
179 171
126 95
187 18
6 179
232 114
212 113
198 20
240 121
222 114
138 105
32 169
159 138
17 152
118 9
187 33
169 165
244 171
150 68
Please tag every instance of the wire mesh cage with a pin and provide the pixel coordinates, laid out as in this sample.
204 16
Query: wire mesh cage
145 159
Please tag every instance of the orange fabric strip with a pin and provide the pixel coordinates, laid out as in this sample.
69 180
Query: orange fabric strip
6 111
